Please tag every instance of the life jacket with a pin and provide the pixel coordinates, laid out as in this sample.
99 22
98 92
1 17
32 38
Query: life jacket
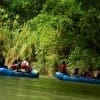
14 66
62 68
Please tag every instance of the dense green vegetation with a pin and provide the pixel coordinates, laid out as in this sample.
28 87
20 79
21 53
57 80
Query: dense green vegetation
46 88
49 31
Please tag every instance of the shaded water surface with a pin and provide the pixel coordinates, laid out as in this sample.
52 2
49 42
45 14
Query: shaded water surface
14 88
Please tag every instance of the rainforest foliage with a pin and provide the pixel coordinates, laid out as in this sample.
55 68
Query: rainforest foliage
49 31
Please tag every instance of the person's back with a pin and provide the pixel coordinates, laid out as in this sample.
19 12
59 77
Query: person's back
2 62
62 68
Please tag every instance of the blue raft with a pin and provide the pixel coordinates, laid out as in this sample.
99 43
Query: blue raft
7 72
64 77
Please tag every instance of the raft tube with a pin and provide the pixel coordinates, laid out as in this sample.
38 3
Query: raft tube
7 72
64 77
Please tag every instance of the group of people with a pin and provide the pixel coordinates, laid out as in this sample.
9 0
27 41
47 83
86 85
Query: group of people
17 65
76 72
21 66
24 66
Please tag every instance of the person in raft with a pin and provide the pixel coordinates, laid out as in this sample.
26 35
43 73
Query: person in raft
76 72
63 68
16 65
88 73
25 66
2 62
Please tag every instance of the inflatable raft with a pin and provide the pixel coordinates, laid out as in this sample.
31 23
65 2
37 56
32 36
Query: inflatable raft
64 77
7 72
